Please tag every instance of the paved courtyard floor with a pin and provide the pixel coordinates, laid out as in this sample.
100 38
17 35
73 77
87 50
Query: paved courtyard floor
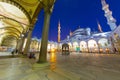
76 66
91 66
5 54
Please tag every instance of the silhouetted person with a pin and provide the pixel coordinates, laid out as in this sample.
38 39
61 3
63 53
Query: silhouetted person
16 50
13 52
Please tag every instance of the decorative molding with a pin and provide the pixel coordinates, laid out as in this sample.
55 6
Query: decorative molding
29 4
12 2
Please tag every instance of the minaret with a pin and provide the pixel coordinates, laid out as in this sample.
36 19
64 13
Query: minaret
108 14
99 27
59 31
70 33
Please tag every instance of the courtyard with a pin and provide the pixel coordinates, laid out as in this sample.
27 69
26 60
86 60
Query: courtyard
76 66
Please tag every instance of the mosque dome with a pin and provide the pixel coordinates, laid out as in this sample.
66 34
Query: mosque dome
81 32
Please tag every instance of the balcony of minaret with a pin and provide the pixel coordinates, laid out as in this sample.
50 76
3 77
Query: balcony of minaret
107 10
112 20
108 14
105 7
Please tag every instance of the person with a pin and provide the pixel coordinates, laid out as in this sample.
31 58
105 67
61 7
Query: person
22 52
115 50
32 55
12 53
16 51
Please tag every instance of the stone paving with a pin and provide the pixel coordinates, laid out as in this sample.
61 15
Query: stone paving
92 66
5 54
14 68
76 66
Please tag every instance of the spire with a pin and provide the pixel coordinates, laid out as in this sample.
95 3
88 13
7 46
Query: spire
103 2
99 27
59 23
59 31
108 14
70 33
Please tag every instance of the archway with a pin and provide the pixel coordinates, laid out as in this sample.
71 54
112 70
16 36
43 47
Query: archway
103 44
14 21
65 49
92 45
75 46
83 46
70 46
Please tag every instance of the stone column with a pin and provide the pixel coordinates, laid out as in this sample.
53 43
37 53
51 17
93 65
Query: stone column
27 46
88 47
44 42
21 45
98 47
38 46
0 42
18 43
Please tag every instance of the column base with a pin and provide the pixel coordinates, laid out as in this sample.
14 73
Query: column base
41 65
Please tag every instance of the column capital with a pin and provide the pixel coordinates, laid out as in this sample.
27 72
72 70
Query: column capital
33 21
48 5
30 28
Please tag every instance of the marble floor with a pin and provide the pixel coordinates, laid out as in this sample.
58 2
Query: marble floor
76 66
5 53
91 66
21 68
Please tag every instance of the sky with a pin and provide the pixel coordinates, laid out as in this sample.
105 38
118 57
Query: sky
73 14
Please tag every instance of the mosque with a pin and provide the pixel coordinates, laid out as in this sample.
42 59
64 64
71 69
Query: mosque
84 40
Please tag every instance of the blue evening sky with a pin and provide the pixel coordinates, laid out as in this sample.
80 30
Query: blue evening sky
75 13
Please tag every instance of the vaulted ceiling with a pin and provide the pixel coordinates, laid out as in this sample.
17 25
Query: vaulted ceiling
16 17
